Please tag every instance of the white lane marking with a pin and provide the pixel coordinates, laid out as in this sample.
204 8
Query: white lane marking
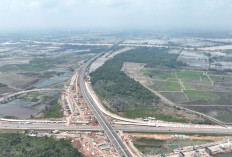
104 123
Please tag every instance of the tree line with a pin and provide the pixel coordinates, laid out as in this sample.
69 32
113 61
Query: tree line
19 145
122 92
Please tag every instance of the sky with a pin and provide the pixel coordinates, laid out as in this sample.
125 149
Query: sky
116 14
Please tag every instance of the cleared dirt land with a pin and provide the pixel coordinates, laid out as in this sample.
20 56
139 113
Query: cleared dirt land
196 90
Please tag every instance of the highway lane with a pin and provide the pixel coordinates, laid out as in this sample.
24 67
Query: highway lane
48 127
224 131
174 130
109 130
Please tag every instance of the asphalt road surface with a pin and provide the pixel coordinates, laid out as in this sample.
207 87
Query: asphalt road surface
122 128
109 130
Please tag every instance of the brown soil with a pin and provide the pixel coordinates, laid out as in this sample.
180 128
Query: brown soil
168 136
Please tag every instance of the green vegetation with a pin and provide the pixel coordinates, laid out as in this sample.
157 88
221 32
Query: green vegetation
32 67
139 113
172 86
8 67
145 145
45 61
109 109
19 145
121 91
147 71
153 57
54 110
199 95
34 99
198 90
189 86
176 97
226 116
93 49
36 96
189 76
157 113
165 86
11 117
49 74
4 131
216 78
156 73
225 98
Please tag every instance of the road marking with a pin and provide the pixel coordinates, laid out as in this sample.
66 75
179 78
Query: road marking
103 120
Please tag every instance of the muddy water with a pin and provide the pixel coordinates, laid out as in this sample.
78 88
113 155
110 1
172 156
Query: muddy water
20 109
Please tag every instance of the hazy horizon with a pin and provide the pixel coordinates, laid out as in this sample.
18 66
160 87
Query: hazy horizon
116 14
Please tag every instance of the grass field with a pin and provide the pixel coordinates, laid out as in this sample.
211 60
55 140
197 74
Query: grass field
190 75
198 92
145 145
4 131
189 86
139 113
165 86
193 77
223 113
225 98
31 67
226 116
154 73
54 110
158 113
200 95
197 89
176 97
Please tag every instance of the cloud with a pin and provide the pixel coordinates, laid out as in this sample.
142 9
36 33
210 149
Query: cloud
115 13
